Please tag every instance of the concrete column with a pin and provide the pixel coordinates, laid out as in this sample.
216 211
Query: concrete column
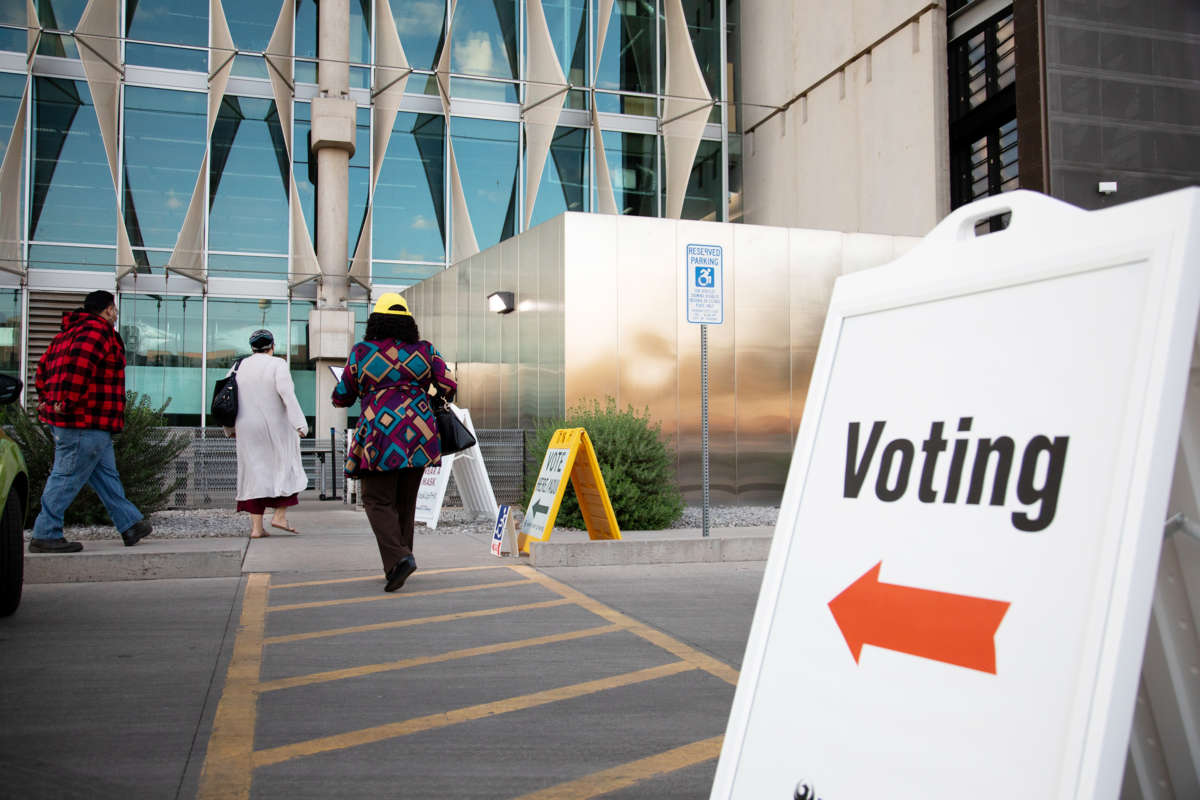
331 325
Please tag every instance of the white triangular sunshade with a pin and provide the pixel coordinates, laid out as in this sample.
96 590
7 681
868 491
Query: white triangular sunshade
391 78
98 36
443 65
34 31
602 20
188 256
305 265
685 111
10 193
606 202
545 93
463 244
278 56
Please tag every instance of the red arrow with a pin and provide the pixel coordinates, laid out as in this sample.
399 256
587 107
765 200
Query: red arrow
953 628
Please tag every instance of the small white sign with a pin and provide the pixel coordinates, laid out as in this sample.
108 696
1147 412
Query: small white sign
500 531
433 490
544 491
959 584
704 277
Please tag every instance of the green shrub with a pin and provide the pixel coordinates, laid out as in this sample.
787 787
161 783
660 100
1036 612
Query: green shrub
638 468
144 452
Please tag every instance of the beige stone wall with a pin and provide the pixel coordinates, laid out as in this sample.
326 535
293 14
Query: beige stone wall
865 149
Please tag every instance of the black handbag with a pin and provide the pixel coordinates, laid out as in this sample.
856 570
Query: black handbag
225 399
452 433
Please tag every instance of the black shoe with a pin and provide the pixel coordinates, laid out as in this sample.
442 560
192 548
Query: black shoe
136 532
54 546
399 574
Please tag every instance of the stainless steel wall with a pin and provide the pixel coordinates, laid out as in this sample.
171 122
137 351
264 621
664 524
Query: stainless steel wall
600 312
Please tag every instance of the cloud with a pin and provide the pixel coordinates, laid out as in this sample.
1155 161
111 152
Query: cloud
421 223
173 201
477 55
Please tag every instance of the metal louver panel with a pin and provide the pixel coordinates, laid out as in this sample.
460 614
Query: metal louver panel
45 321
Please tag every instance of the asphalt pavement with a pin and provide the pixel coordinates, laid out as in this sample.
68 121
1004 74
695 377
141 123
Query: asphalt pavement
482 677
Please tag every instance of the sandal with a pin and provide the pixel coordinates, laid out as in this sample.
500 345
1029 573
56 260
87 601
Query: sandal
283 528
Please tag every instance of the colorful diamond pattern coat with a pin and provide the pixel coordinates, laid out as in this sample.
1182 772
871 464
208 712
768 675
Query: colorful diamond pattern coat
396 428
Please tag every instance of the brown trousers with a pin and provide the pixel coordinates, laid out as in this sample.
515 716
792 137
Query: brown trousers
390 500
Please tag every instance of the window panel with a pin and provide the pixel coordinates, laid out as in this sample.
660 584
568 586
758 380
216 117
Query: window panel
304 373
422 28
703 197
91 259
164 148
248 179
409 219
359 181
10 332
251 25
183 22
486 152
163 339
230 323
61 15
12 84
704 25
73 199
632 166
394 274
225 265
567 21
13 20
484 42
627 62
564 184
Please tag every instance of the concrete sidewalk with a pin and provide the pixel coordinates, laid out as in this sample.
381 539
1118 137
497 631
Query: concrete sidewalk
339 539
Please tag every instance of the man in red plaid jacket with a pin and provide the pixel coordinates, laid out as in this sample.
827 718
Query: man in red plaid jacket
81 390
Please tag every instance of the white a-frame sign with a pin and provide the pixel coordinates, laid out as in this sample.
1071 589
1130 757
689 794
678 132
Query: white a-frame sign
957 595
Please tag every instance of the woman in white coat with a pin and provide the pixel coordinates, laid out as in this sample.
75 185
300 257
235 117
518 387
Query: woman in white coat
269 426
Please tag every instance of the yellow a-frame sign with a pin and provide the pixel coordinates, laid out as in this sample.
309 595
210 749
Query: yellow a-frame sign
570 454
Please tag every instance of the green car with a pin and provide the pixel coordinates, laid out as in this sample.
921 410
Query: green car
14 499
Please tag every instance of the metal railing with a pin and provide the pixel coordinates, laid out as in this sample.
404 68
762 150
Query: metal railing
209 467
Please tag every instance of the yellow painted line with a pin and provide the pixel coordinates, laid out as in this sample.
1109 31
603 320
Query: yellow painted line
701 661
379 733
405 623
375 598
227 763
467 652
379 578
626 775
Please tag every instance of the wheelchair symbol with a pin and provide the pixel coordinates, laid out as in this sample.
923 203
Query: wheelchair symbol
704 277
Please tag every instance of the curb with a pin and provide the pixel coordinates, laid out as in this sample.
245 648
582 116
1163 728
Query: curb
650 551
149 560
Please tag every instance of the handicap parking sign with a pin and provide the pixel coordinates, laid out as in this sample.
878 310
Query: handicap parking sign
703 270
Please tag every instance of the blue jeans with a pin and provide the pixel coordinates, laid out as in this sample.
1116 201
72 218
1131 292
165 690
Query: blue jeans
82 455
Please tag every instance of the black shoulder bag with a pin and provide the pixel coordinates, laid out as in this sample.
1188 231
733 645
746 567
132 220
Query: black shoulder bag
454 436
225 399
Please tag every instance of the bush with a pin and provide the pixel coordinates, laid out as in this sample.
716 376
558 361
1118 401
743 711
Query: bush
637 467
144 453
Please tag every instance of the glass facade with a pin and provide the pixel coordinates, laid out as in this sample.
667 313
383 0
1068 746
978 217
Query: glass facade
206 203
163 351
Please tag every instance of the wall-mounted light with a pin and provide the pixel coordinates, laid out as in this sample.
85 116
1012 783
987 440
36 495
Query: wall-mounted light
501 302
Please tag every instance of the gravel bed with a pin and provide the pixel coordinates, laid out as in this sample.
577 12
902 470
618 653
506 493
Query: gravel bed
216 522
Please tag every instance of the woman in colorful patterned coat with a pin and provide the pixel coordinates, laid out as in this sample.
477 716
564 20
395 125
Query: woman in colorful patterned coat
392 371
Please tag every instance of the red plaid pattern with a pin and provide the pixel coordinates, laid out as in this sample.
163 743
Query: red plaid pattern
81 377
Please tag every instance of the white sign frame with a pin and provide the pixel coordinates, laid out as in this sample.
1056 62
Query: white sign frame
700 298
1046 241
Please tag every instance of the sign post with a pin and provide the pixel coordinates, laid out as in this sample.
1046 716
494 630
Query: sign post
959 584
704 277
